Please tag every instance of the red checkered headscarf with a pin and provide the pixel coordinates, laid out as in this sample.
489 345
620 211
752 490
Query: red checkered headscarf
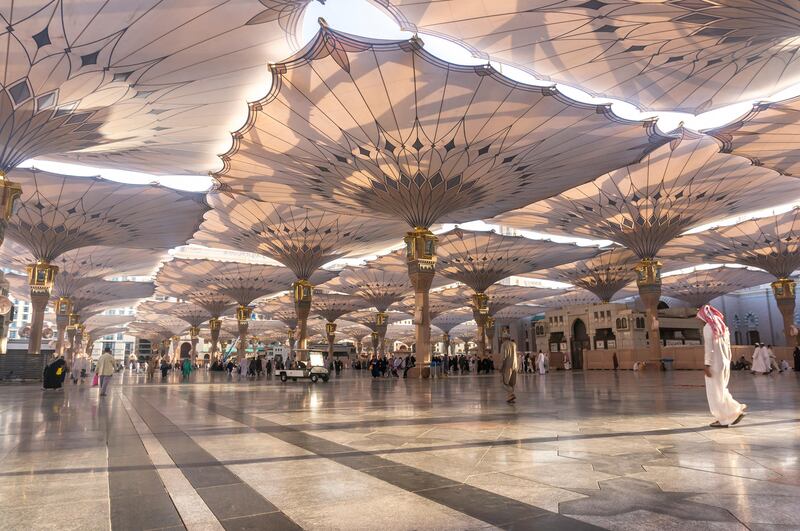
713 318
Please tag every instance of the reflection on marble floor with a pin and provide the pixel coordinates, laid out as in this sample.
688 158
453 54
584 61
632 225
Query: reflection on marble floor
612 450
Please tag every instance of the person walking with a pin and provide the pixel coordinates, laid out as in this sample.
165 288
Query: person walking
508 349
760 360
105 370
186 368
540 364
717 369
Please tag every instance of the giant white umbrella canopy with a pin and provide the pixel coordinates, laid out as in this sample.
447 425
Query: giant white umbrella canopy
188 279
497 297
701 286
769 135
603 275
78 268
386 129
86 266
58 213
517 312
101 325
480 259
333 306
380 287
466 332
352 331
300 238
770 243
644 206
572 297
142 84
447 320
689 56
377 326
153 332
243 282
194 314
260 328
166 326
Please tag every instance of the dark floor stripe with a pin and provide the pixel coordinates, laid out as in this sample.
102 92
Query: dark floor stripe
139 499
500 511
235 503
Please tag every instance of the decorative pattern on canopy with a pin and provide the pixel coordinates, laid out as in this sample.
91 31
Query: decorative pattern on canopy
516 312
239 281
466 332
574 297
379 287
103 294
332 306
302 239
405 333
85 264
256 327
688 55
194 314
643 206
440 302
699 287
769 135
482 258
59 213
169 324
503 295
771 243
385 129
604 275
140 84
351 330
449 320
368 318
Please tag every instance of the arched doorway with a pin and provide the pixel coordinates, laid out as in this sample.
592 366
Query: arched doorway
580 342
186 350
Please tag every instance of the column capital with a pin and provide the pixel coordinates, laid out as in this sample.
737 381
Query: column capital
244 313
648 272
783 288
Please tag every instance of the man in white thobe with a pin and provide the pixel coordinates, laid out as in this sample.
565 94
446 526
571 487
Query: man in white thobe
508 349
717 368
540 363
760 360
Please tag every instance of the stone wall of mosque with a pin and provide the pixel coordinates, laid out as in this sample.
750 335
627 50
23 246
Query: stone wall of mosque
752 316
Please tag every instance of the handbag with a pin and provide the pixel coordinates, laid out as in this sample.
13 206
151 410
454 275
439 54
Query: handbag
95 380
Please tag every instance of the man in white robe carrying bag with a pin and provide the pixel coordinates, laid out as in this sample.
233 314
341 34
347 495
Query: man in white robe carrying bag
717 368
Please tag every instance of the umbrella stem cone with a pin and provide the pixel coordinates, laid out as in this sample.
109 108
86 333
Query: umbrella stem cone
421 260
648 281
783 290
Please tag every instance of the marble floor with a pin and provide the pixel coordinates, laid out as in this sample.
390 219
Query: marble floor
581 450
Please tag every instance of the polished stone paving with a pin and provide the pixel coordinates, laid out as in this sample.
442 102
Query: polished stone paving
581 450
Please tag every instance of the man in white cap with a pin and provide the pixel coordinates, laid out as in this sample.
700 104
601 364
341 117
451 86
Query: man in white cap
717 368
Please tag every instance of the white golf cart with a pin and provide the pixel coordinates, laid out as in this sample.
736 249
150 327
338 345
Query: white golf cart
313 370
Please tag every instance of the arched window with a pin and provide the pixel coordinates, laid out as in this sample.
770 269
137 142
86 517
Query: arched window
619 323
624 322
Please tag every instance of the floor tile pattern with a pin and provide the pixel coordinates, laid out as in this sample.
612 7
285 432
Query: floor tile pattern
598 449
